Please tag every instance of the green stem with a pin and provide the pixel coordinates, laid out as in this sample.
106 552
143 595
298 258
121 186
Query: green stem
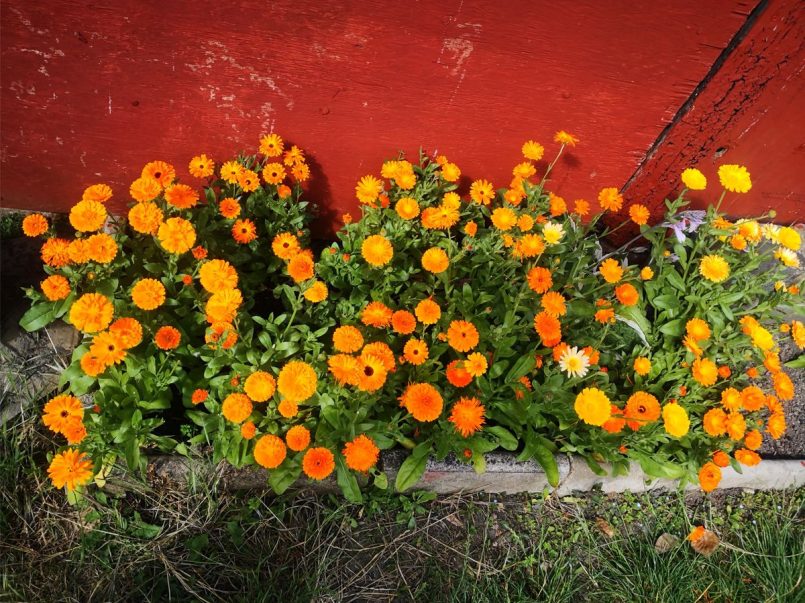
550 165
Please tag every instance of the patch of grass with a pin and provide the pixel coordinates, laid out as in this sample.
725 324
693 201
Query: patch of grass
139 540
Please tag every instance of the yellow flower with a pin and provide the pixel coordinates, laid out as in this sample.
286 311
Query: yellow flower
646 273
611 270
450 172
503 218
148 294
675 420
145 218
788 237
532 150
694 179
201 166
271 145
592 406
92 312
476 364
642 366
297 381
787 257
735 178
714 268
552 232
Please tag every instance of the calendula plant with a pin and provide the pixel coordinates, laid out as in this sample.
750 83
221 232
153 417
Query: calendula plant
438 323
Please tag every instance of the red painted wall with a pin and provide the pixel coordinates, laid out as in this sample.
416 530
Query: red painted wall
92 91
751 112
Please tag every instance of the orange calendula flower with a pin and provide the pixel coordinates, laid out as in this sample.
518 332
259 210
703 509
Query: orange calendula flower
467 415
285 246
553 303
450 172
223 306
435 260
167 338
642 366
361 454
557 205
97 192
229 208
646 273
244 231
482 192
753 440
747 457
201 166
610 199
91 364
70 469
62 411
407 208
87 216
55 287
181 196
428 312
347 339
377 250
297 438
317 292
783 386
199 396
34 225
377 314
641 408
368 189
698 329
108 348
457 374
199 252
219 331
539 279
248 181
504 218
423 401
218 275
736 426
301 266
162 172
709 477
297 381
714 268
615 422
274 173
548 328
721 459
345 369
271 145
476 364
415 351
705 371
260 386
148 294
403 322
318 463
776 425
146 218
145 189
92 312
269 451
371 373
288 409
176 235
293 156
231 171
237 407
627 294
593 406
101 248
639 214
611 270
715 422
248 430
565 138
532 150
462 335
56 252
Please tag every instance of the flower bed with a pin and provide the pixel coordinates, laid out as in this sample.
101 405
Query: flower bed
435 323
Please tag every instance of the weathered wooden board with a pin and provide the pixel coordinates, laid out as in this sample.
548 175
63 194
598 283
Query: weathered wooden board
750 112
91 91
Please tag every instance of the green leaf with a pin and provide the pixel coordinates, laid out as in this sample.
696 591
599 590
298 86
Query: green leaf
38 316
381 481
798 362
504 437
521 368
674 328
412 468
660 469
347 482
281 478
675 279
144 530
665 302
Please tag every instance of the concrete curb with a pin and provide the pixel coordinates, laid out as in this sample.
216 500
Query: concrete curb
504 475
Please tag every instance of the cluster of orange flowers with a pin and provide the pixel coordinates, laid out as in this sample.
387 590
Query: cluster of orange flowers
382 339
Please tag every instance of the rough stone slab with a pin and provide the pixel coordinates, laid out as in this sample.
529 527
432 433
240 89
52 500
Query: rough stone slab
504 474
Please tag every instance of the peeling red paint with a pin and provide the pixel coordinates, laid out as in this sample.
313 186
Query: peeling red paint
751 113
92 92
